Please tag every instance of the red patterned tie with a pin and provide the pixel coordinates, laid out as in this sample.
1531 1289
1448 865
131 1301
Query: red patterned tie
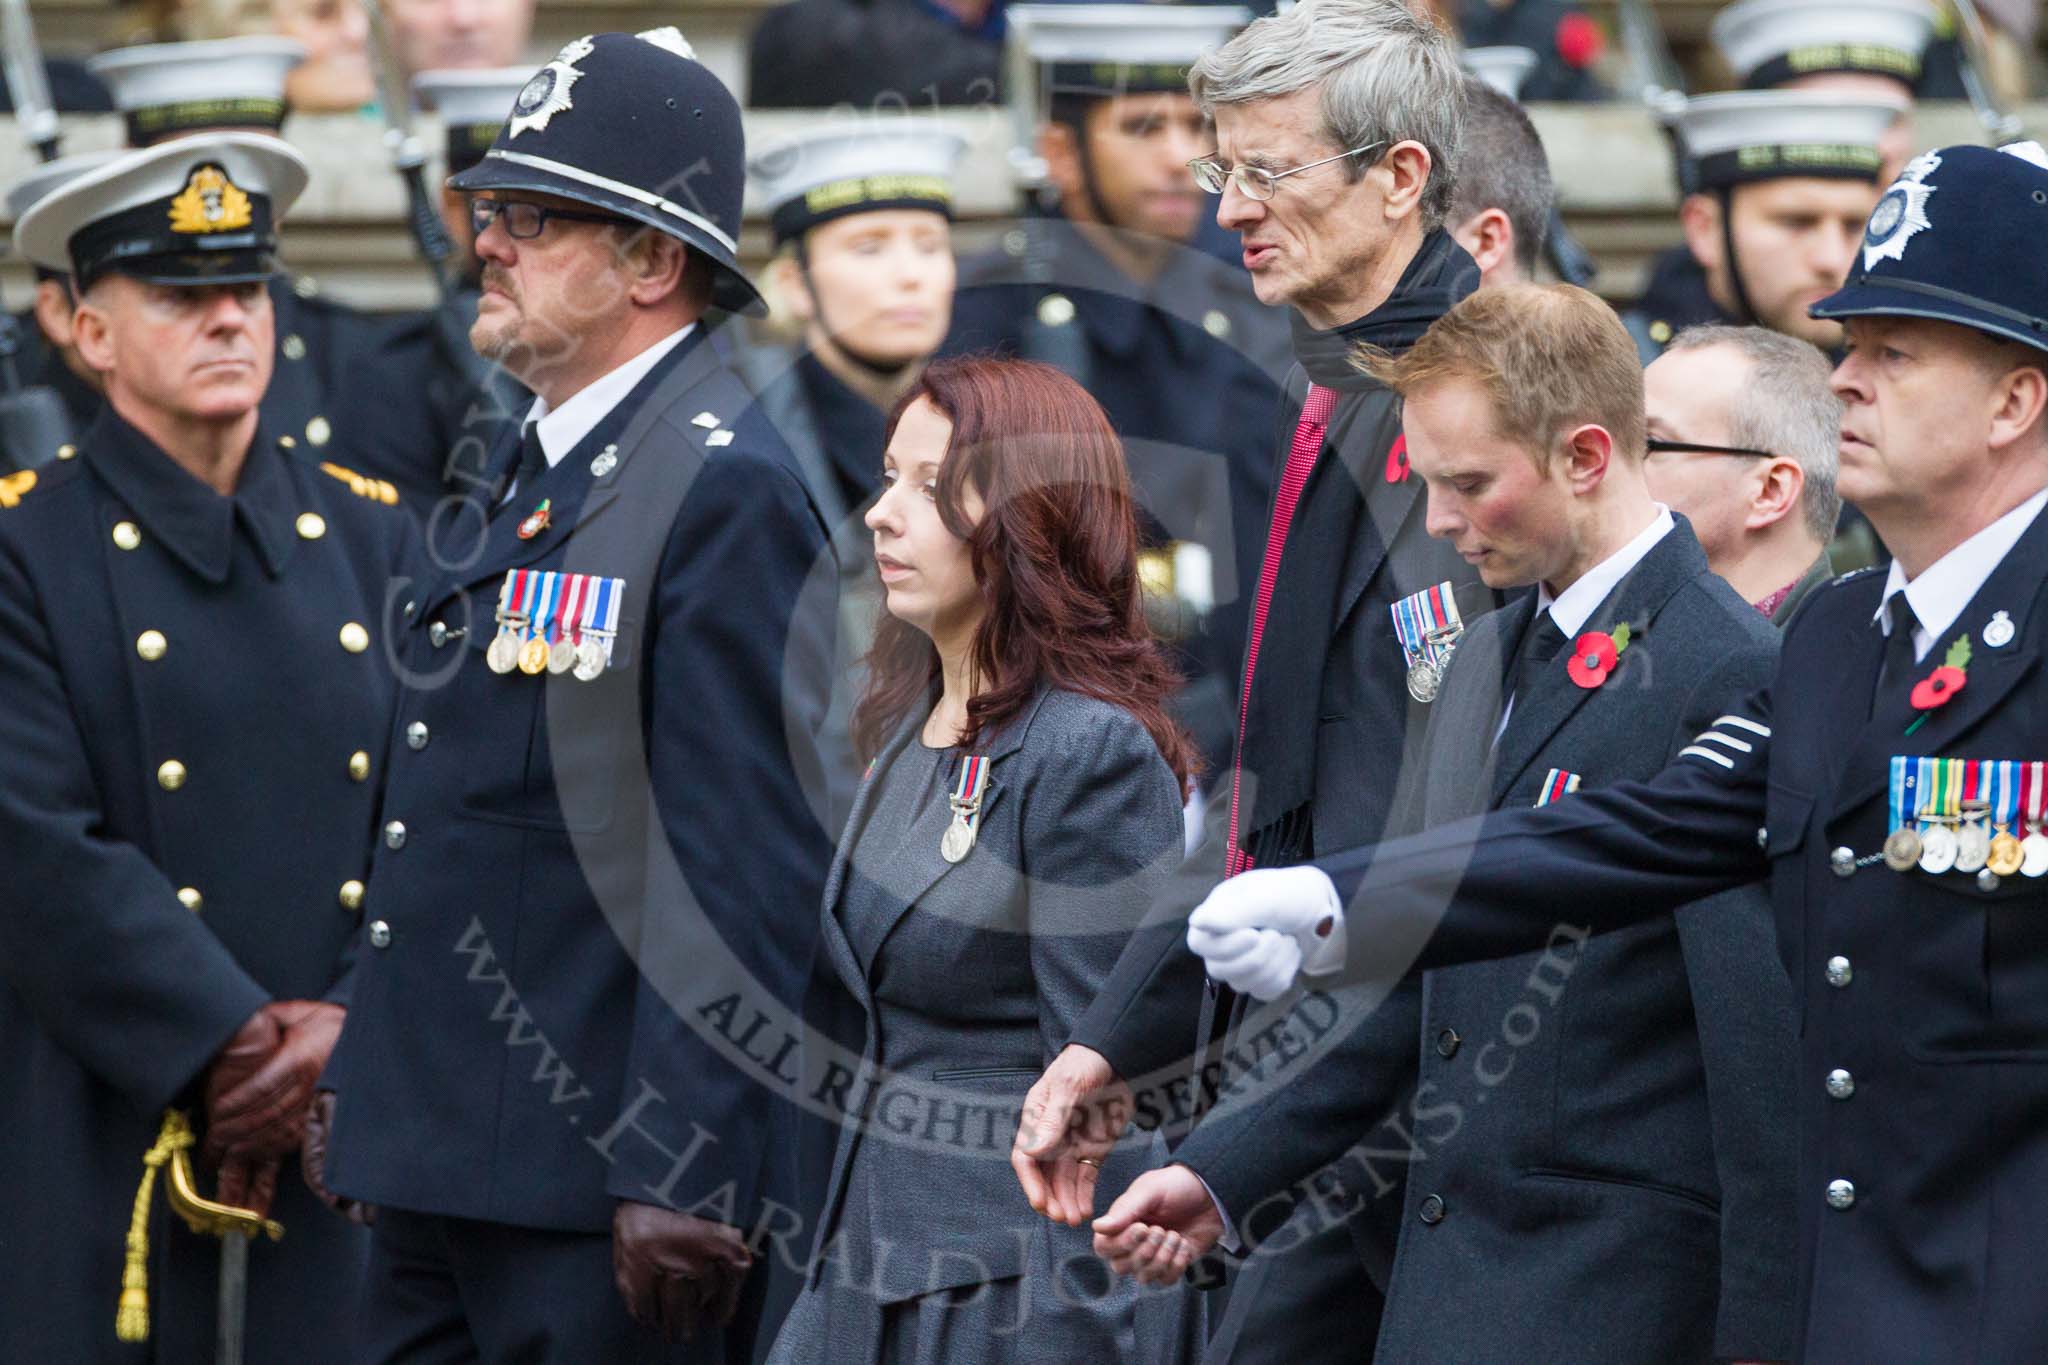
1301 459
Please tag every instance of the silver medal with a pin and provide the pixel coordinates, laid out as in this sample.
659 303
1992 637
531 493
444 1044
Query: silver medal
1937 849
1973 848
1424 681
561 656
590 660
2035 848
503 655
959 839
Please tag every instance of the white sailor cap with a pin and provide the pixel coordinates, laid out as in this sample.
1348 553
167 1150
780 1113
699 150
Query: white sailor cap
195 210
1503 68
164 89
1747 135
1100 50
1770 42
855 167
473 104
48 176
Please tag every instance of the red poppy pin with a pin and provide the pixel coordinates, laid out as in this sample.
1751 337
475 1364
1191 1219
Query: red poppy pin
1944 682
1595 654
1397 459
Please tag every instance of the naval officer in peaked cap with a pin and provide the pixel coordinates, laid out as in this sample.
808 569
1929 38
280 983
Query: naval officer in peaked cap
191 628
601 854
172 90
1889 785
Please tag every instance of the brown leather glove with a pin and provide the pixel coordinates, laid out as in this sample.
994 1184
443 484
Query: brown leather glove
677 1273
248 1182
263 1114
313 1161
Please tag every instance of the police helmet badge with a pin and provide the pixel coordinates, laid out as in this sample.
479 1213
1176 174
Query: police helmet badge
1901 213
210 202
547 93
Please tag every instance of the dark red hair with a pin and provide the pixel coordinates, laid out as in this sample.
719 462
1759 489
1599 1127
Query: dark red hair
1055 557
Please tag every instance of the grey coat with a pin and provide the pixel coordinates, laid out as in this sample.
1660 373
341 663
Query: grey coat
973 988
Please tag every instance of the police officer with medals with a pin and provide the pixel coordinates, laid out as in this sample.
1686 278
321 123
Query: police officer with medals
1888 784
46 358
440 406
862 220
190 759
1779 185
1843 49
600 856
171 90
1105 280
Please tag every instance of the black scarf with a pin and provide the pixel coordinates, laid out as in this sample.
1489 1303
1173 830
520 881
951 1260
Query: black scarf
1440 274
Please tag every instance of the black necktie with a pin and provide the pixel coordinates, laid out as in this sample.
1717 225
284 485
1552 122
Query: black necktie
1898 650
533 461
1540 648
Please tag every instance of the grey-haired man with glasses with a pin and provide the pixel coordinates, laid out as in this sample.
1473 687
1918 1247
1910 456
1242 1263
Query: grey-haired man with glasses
1742 433
1337 129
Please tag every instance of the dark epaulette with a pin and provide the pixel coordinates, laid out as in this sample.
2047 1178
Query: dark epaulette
362 485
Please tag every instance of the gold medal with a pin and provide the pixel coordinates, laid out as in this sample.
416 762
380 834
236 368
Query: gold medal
533 656
1902 849
590 660
503 655
561 657
2007 857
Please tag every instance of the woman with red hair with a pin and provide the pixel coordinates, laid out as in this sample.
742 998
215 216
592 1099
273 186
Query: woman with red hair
1022 803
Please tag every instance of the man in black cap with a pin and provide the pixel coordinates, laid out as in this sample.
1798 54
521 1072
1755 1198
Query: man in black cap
599 859
1889 783
191 629
1105 280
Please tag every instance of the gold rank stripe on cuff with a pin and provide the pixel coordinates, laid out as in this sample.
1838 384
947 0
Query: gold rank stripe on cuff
1726 734
362 485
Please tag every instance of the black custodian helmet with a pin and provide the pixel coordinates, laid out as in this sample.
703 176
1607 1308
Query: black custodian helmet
633 124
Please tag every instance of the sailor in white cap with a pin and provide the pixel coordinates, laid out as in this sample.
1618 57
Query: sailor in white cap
187 620
1853 49
1109 275
1781 183
46 357
473 103
861 212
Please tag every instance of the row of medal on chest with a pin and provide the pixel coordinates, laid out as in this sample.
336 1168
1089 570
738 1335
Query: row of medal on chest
551 622
1968 815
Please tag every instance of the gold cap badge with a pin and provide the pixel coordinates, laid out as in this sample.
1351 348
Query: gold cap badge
210 202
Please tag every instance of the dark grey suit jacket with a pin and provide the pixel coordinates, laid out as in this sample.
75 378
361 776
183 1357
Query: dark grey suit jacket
973 988
1597 1163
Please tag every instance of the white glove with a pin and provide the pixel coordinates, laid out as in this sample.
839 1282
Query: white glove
1256 930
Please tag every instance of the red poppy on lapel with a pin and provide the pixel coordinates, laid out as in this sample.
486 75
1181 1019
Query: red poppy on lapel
1397 459
1595 654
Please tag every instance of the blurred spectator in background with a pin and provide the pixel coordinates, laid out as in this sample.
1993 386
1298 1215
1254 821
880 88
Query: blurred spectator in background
876 54
336 75
46 355
1560 34
451 35
1500 208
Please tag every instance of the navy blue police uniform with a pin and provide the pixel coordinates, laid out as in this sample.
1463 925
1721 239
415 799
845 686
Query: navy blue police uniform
595 890
190 760
1920 968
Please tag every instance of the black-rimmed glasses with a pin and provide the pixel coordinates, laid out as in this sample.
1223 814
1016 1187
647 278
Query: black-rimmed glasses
1661 447
524 221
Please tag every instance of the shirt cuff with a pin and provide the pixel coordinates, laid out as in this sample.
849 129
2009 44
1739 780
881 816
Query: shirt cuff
1229 1241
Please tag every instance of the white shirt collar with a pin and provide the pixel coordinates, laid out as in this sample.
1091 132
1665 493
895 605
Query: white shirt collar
1573 607
1946 586
562 428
